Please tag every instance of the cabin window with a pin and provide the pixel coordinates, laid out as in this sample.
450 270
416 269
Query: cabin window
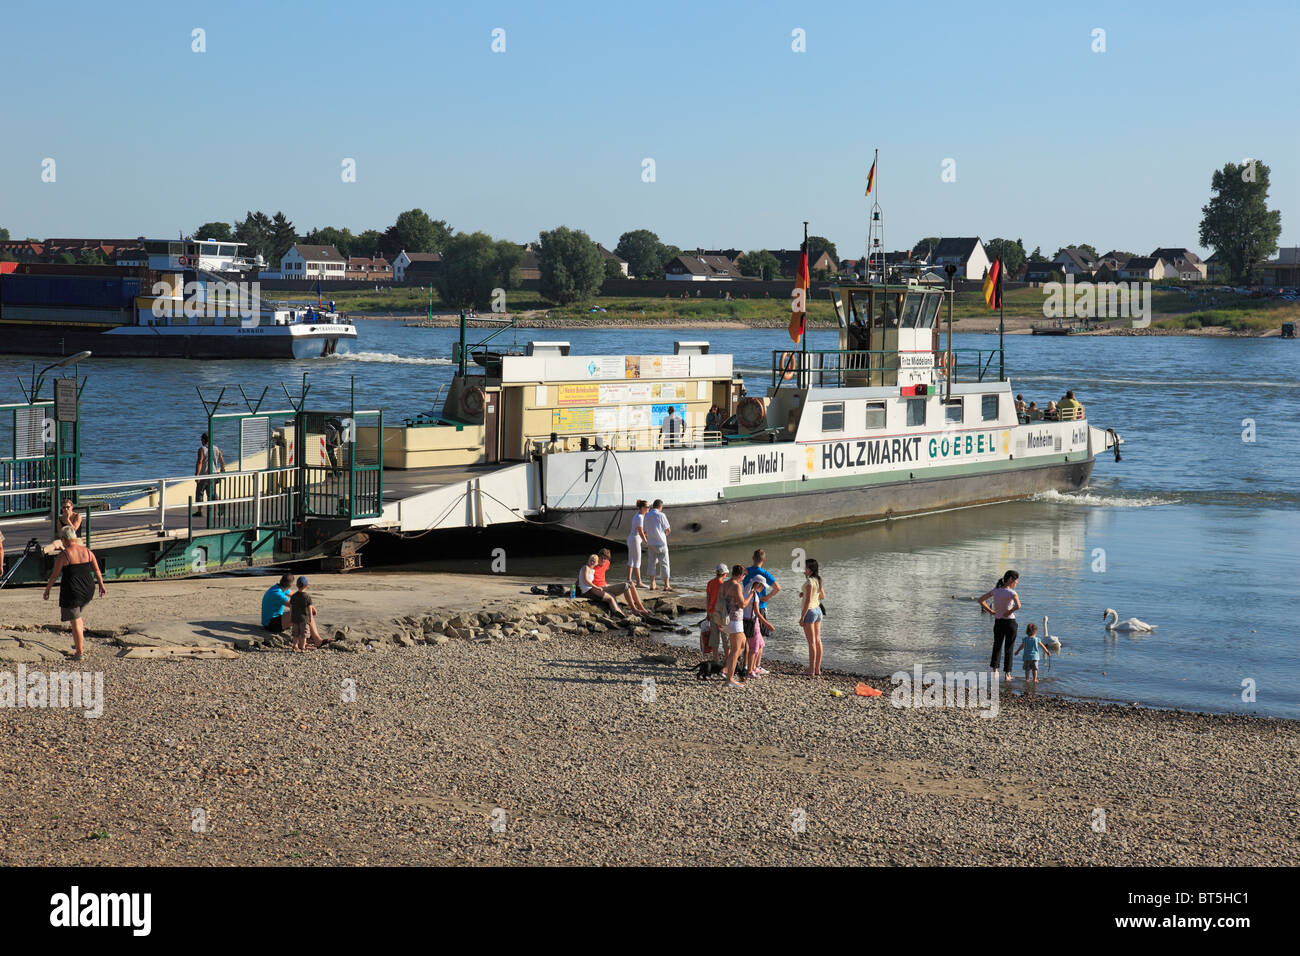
911 310
916 411
875 414
929 311
832 416
989 408
952 411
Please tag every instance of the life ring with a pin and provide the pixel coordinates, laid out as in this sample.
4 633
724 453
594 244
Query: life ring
184 261
751 413
788 363
943 361
471 402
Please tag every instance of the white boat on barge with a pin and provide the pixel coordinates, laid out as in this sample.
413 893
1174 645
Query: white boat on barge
190 301
887 425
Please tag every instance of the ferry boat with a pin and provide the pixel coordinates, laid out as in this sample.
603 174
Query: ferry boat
886 425
190 300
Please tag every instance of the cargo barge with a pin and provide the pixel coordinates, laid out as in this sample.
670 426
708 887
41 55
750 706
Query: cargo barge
191 301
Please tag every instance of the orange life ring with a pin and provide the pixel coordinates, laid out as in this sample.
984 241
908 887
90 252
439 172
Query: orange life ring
472 401
184 261
943 361
788 363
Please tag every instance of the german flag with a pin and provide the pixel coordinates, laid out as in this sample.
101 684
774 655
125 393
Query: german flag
871 179
993 285
801 282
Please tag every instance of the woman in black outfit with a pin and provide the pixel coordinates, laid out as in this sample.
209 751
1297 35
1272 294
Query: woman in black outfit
75 562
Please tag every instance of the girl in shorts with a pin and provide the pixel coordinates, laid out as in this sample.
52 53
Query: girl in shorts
810 617
733 593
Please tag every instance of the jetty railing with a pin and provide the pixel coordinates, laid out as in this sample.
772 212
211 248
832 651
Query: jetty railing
27 473
237 501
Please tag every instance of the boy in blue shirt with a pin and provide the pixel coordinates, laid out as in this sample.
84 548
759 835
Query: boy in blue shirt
756 570
275 606
1034 650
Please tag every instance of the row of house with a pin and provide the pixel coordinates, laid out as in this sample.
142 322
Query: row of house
304 261
723 265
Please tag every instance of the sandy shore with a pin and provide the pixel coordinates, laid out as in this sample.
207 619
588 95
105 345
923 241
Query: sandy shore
558 742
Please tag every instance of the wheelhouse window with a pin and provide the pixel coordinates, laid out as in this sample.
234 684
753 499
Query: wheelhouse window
832 416
875 414
929 311
911 310
952 411
916 411
989 408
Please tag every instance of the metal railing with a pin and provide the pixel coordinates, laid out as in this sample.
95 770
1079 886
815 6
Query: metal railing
831 368
650 438
232 501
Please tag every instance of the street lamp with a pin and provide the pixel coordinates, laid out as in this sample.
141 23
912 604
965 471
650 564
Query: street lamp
38 378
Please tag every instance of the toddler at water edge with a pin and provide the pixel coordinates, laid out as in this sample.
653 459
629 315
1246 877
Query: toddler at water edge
1034 649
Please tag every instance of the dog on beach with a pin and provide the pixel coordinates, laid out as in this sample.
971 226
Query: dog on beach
705 670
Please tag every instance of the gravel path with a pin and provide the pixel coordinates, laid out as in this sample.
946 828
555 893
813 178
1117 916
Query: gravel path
513 750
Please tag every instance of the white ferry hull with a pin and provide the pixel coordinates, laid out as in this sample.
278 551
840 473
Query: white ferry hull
737 492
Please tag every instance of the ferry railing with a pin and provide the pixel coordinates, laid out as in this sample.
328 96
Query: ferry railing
628 439
350 482
828 368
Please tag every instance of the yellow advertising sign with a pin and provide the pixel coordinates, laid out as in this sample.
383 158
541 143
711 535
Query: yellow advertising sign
570 420
585 394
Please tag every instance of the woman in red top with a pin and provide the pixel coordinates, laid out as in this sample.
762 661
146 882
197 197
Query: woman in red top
627 587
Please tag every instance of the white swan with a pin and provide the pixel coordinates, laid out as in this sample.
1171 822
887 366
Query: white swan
1131 625
1053 642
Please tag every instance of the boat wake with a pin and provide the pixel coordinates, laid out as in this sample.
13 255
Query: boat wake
1146 382
389 358
1091 500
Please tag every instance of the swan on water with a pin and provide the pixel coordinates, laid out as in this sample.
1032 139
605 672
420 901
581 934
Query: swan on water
1132 624
1053 642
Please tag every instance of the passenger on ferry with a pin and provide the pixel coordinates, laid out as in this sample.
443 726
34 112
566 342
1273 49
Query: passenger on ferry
1070 408
713 421
1034 413
1050 413
1020 406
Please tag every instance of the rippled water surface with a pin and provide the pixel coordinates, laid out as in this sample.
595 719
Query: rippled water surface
1198 531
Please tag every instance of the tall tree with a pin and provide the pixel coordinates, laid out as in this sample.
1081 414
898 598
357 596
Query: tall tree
415 231
819 244
1010 251
257 231
925 247
369 242
613 270
1037 255
759 263
646 256
570 264
340 239
4 235
1237 223
473 264
220 231
283 236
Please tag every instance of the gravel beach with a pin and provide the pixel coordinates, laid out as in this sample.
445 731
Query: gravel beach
469 741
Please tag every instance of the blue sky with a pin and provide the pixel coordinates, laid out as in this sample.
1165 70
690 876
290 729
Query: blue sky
1053 143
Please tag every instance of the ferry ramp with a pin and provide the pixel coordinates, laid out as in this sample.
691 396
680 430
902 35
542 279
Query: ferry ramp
446 498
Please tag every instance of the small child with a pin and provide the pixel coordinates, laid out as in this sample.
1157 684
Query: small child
755 621
1034 649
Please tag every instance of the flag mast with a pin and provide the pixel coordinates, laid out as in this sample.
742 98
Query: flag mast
803 339
1002 326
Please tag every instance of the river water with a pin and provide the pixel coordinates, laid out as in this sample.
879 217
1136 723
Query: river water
1197 530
